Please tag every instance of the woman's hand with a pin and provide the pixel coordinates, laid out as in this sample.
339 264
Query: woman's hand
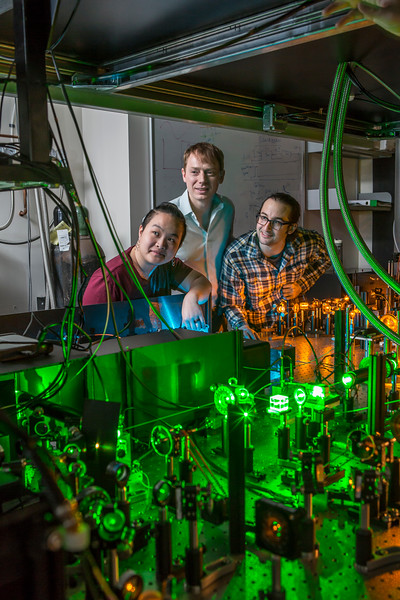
192 315
198 290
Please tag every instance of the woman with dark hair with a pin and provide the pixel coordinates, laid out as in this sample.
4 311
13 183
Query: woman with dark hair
152 259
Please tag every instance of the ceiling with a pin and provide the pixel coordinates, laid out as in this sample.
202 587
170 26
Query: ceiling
221 62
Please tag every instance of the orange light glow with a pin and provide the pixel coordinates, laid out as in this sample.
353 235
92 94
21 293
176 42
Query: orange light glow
390 321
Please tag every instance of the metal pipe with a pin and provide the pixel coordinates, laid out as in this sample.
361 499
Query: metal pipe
45 253
365 516
193 535
113 566
151 160
308 504
46 226
276 573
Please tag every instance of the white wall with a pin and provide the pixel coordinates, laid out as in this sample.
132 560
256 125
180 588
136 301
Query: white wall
106 138
141 171
70 139
21 272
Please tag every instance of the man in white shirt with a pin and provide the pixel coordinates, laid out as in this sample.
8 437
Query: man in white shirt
209 216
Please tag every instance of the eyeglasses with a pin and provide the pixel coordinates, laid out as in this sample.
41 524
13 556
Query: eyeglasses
275 223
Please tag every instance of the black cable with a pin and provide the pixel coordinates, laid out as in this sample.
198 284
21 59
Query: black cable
355 81
66 27
263 372
318 375
6 243
61 205
62 150
248 485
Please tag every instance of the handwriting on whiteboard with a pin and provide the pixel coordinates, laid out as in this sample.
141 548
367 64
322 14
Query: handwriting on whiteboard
256 164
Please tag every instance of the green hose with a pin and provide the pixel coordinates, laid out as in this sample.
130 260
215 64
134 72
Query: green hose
336 94
341 193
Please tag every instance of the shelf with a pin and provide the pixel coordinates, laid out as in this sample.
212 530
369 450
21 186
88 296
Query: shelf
382 208
313 201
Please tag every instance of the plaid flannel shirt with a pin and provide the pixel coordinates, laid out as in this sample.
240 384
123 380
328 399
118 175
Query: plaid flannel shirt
250 286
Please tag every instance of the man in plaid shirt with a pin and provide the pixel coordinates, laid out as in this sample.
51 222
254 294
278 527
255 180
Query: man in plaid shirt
278 261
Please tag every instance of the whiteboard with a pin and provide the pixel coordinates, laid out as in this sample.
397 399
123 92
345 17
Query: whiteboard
256 165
